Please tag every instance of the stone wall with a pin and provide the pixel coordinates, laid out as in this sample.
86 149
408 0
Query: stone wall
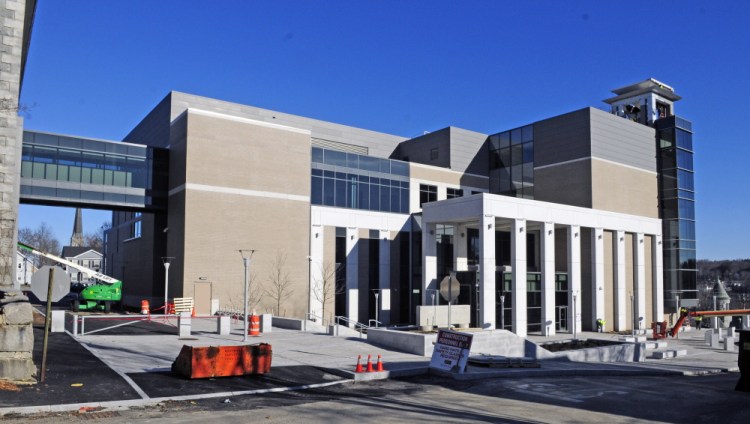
16 331
16 339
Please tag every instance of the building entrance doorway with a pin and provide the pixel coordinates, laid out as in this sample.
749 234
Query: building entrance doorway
202 292
561 318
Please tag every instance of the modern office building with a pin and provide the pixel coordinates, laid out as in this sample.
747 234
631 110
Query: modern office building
547 227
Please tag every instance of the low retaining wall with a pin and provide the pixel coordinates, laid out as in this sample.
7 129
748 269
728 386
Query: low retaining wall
298 324
505 343
619 352
404 341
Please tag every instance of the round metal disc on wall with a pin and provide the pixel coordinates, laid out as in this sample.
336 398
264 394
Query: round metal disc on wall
60 283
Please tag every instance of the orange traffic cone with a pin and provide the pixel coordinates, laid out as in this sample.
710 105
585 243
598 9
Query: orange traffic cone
369 364
192 313
379 366
359 364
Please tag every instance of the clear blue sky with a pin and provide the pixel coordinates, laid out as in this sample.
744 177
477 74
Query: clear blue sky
96 68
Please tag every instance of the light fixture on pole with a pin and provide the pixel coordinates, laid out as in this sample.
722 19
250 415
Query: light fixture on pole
246 255
166 260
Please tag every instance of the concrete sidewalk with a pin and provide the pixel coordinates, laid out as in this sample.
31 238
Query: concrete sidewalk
130 365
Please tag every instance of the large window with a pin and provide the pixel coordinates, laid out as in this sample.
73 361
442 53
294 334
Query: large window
427 193
512 162
348 180
454 192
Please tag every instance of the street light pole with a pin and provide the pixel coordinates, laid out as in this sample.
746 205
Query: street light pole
167 260
377 308
309 316
502 312
575 315
246 264
632 311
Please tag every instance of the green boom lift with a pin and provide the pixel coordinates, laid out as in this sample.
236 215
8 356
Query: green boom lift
99 296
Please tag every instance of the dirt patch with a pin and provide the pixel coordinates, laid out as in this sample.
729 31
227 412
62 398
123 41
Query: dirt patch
577 344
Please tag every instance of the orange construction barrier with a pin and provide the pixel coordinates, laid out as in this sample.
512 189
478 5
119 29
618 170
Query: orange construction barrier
254 329
145 307
223 361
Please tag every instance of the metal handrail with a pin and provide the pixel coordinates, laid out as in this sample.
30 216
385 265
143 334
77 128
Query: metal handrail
377 323
323 321
350 323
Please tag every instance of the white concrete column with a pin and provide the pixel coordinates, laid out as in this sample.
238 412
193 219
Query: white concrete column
460 262
574 274
384 281
639 257
519 271
621 294
352 274
487 272
547 241
597 275
316 271
429 264
657 276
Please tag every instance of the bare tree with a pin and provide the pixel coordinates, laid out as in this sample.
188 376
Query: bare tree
280 284
42 239
254 295
95 240
328 284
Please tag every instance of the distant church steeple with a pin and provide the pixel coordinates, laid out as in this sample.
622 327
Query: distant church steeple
76 240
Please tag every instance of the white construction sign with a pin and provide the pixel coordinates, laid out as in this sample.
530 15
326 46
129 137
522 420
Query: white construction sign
451 351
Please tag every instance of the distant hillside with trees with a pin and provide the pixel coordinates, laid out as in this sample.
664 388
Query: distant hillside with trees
735 274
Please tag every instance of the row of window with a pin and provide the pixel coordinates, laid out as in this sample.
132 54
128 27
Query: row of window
51 163
350 180
354 191
353 161
428 193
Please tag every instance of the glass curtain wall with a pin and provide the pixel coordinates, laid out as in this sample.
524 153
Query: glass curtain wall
677 209
349 180
512 162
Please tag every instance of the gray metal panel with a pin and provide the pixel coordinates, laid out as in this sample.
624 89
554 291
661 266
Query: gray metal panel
418 149
153 130
562 138
378 144
622 141
468 151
